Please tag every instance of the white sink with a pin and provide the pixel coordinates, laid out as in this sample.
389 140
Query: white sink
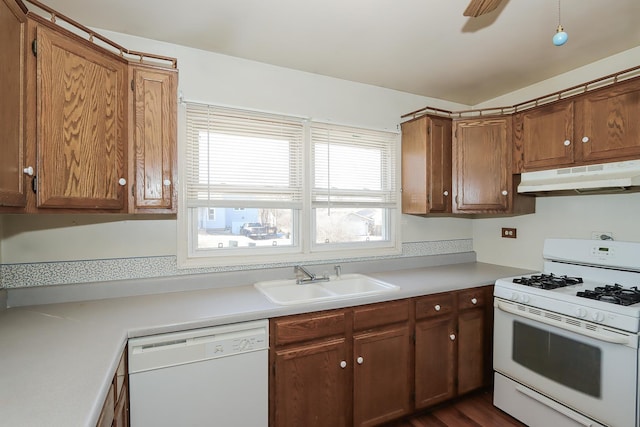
287 292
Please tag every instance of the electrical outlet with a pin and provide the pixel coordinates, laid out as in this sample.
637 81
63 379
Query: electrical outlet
601 235
509 233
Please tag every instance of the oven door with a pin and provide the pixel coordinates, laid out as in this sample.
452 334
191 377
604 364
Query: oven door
584 366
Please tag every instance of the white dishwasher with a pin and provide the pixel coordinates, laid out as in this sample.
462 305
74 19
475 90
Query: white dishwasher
214 376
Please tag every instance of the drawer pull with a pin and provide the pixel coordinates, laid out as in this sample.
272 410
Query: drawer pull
474 301
437 307
343 364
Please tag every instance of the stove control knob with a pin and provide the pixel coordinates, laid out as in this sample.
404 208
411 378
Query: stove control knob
581 312
598 316
526 298
514 297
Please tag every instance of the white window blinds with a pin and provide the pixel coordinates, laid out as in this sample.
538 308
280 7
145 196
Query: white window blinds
242 159
353 167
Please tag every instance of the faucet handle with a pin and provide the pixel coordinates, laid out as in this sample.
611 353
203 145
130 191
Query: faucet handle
338 269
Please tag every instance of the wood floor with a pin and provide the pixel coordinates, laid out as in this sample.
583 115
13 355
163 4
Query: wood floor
475 410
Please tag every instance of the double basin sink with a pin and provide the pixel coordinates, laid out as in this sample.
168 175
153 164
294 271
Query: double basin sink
288 292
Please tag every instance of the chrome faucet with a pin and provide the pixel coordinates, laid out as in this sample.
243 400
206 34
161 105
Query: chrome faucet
311 278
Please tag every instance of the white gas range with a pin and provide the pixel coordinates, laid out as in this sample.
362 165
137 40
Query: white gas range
566 340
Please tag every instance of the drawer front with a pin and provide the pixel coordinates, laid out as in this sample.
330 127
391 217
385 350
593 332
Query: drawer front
434 305
471 298
384 313
307 327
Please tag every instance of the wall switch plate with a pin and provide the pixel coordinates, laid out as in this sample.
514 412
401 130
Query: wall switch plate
509 233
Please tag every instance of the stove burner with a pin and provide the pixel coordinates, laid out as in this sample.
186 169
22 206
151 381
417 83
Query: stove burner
548 281
614 294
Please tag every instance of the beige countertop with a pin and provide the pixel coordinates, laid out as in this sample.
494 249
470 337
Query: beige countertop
57 360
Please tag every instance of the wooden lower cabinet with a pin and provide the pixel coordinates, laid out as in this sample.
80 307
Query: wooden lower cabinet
452 345
115 410
342 367
381 380
311 385
362 366
435 361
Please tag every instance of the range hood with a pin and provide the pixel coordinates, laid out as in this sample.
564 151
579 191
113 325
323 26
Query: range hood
602 178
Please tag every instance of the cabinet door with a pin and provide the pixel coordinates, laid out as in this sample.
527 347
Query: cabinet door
81 128
435 361
471 349
311 384
608 125
426 165
382 381
12 104
153 149
482 165
546 136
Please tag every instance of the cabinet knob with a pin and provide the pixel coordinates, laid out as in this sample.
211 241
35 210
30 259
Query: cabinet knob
437 307
585 139
343 364
474 301
452 337
505 192
359 360
122 181
28 170
446 193
567 143
167 182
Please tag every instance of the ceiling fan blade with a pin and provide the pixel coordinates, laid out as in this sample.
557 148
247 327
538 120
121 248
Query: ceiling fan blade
480 7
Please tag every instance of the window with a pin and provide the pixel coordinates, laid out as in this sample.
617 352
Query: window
354 185
282 188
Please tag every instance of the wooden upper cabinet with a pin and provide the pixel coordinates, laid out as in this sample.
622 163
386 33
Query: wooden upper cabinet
426 165
607 123
545 136
81 126
12 105
153 148
482 165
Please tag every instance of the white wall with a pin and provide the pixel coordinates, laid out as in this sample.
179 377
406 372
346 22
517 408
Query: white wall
230 81
571 217
565 217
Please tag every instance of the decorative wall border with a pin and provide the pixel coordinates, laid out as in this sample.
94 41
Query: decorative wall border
86 271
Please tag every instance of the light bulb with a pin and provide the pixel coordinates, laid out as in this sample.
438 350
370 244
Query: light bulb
560 37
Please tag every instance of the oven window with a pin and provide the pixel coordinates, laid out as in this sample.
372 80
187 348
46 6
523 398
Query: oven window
569 362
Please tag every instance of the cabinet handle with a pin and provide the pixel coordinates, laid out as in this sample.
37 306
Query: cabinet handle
122 181
359 360
167 182
28 170
452 337
446 193
567 143
343 364
437 307
505 192
474 301
585 139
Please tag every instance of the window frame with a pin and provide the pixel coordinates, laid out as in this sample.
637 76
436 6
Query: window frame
304 248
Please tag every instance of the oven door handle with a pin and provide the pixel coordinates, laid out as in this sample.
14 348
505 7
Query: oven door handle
555 406
601 337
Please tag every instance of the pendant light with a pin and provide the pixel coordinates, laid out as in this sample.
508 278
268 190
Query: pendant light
560 37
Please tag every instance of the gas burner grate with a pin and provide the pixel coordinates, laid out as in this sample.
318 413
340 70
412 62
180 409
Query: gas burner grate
547 281
614 294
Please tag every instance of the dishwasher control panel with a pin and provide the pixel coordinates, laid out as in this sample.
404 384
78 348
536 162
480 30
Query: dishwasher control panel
165 350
